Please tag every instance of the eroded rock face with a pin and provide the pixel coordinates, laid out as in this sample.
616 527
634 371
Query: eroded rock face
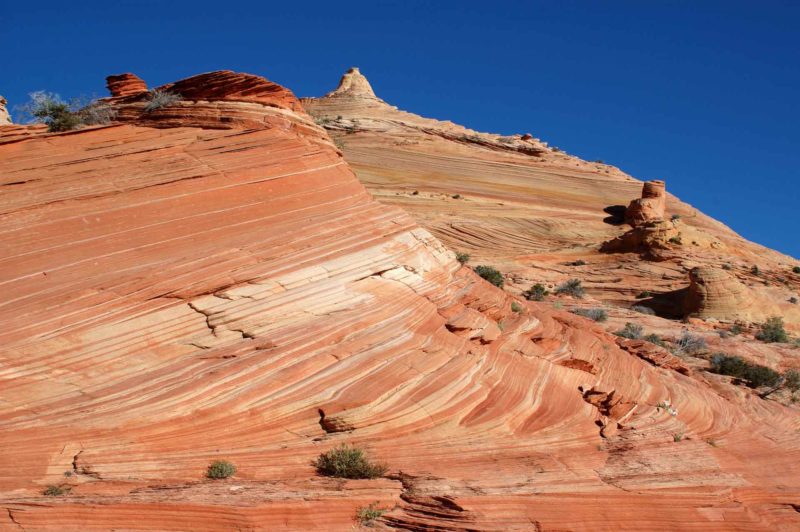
125 85
353 85
650 207
210 281
5 119
713 293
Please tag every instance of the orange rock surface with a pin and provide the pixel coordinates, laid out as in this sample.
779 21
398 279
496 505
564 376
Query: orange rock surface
209 281
5 119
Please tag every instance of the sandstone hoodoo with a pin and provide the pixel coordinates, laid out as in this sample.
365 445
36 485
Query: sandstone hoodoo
125 85
353 85
206 281
650 207
5 119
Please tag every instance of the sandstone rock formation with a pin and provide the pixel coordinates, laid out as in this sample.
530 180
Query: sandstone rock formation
125 85
209 280
353 85
5 119
650 207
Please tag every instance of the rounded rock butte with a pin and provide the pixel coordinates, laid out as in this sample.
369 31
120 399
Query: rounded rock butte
353 85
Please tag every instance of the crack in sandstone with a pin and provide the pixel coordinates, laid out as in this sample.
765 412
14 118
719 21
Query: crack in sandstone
13 520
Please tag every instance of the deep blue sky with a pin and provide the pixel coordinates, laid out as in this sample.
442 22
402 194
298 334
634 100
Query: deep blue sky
701 94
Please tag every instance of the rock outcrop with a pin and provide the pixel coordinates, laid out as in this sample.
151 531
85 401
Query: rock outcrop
5 119
127 84
353 85
650 207
209 280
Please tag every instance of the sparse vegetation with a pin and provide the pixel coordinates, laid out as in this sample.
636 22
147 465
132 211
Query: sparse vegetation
644 294
366 515
594 314
56 491
689 344
631 331
159 99
772 331
653 338
220 469
48 108
456 196
348 462
572 288
796 269
579 262
754 375
678 436
97 113
675 217
793 300
735 329
516 307
676 240
463 258
643 310
727 266
490 274
755 270
536 292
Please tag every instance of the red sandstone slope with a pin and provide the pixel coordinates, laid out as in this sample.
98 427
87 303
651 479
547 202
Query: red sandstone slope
209 280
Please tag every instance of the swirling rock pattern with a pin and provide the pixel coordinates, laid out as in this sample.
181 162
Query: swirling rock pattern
178 292
125 85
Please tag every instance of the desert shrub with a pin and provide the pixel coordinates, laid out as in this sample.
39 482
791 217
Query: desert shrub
644 294
348 462
516 307
490 274
631 331
366 515
48 108
220 469
727 266
676 240
594 314
772 331
689 343
643 310
159 99
97 113
653 338
675 217
463 258
735 329
55 491
796 269
571 288
754 374
456 196
793 300
791 380
536 292
755 270
579 262
678 436
415 193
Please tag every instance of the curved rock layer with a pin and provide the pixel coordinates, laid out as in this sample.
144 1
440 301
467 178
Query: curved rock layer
125 85
650 207
180 294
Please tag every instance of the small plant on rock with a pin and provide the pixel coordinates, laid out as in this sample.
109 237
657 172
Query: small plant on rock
632 331
755 270
796 269
463 258
727 266
793 300
56 491
48 108
159 99
348 462
644 294
653 338
516 307
678 436
220 469
490 274
689 344
572 288
594 314
773 331
536 292
366 515
579 262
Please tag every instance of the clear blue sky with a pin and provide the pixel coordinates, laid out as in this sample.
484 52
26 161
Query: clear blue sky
701 94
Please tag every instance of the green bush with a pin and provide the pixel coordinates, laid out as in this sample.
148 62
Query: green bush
727 266
220 469
594 314
796 269
677 240
571 288
516 307
689 344
631 331
490 274
773 331
536 292
55 491
644 294
754 374
348 462
675 217
653 338
50 109
755 270
463 258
